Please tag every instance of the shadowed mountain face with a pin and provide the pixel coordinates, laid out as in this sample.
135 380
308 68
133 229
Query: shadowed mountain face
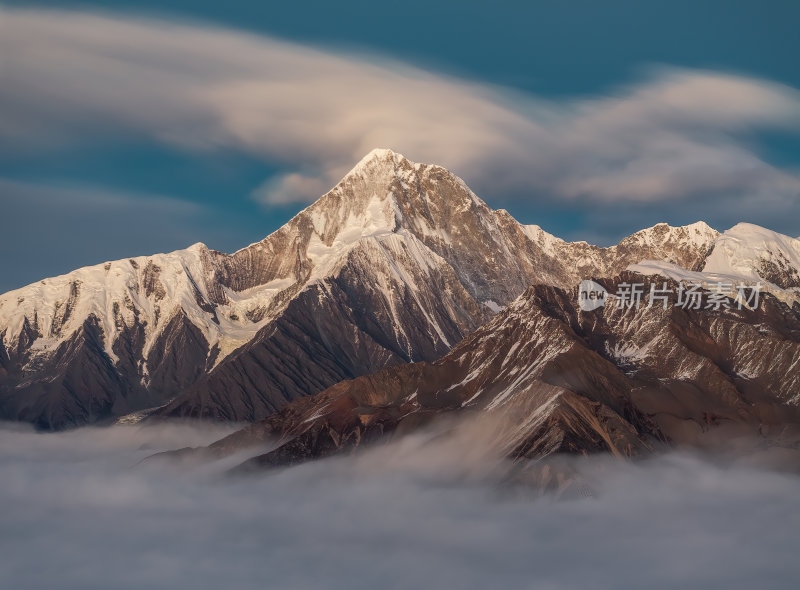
408 262
548 378
396 264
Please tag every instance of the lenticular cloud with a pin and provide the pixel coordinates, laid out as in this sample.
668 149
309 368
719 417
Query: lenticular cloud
76 77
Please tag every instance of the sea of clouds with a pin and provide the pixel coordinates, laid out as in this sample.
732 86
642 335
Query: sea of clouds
78 510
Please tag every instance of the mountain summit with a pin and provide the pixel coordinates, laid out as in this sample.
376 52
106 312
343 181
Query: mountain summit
397 263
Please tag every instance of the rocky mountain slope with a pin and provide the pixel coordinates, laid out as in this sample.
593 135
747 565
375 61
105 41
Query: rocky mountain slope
396 264
548 378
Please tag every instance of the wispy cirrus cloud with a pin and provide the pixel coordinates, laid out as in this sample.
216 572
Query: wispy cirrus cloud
77 77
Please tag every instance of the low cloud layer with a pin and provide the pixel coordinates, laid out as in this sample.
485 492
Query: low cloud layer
78 511
81 77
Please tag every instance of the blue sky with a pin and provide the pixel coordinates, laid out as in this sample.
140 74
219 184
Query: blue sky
128 128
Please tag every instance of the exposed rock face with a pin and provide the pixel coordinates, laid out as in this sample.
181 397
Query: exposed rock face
396 263
404 262
555 379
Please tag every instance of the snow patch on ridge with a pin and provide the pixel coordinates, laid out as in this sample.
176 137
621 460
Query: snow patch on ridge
738 257
148 290
740 250
378 218
547 242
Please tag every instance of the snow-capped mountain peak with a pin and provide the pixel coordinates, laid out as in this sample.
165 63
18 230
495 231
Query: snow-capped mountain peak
757 253
397 262
114 292
377 157
744 254
698 234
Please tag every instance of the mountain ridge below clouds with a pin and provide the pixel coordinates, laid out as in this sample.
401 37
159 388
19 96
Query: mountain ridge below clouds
397 263
543 378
